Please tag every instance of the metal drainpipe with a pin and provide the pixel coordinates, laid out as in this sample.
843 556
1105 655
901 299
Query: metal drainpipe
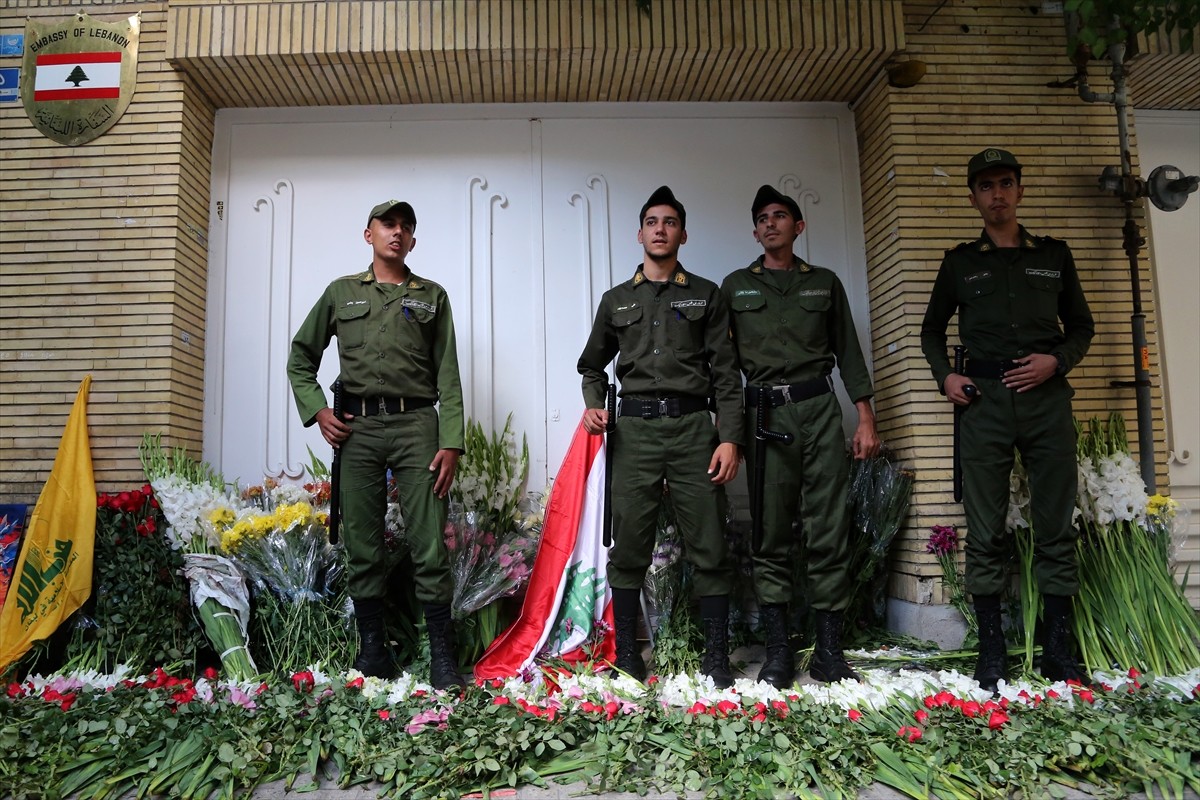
1133 242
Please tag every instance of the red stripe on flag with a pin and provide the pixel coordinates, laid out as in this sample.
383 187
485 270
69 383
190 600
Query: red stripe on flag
111 57
506 655
102 93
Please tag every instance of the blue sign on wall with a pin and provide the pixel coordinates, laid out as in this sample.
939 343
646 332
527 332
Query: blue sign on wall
9 84
12 44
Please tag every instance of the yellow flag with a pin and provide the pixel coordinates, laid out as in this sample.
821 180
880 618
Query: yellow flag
54 571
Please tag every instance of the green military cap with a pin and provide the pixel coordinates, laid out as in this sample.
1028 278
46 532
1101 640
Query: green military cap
767 195
992 157
405 210
663 196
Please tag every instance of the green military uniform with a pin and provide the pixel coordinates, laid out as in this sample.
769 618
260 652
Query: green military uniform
673 341
397 353
1009 303
791 327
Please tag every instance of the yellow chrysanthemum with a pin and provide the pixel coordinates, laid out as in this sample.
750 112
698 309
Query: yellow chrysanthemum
1160 506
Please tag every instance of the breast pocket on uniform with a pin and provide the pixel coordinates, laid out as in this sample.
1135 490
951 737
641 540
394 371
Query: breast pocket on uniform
352 324
743 303
416 333
626 321
977 284
686 324
1046 280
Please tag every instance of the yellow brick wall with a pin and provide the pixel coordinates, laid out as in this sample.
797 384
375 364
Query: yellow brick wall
988 63
102 266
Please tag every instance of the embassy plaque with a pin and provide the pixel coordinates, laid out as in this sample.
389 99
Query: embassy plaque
78 76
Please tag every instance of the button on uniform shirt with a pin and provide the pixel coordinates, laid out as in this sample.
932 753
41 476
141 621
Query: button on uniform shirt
1009 303
794 325
394 340
673 340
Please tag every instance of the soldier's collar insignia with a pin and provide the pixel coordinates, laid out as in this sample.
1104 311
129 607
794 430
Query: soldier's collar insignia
414 282
804 265
757 268
639 277
985 246
680 277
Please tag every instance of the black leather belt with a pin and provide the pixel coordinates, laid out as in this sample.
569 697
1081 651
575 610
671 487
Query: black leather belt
370 406
792 392
647 408
977 368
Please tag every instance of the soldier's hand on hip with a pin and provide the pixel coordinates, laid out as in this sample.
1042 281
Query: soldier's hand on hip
595 420
953 387
444 463
724 464
333 429
1032 370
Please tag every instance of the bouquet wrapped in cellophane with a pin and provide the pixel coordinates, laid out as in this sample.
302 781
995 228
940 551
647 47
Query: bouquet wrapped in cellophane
280 539
189 492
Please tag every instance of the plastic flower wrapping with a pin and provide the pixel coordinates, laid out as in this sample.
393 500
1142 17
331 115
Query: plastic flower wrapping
490 564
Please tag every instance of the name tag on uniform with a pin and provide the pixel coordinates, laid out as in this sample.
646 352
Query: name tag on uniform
688 303
814 293
977 276
1044 273
408 302
746 292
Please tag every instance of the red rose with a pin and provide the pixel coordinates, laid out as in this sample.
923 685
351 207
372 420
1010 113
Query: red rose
921 715
357 683
210 673
854 714
303 681
384 714
500 701
997 719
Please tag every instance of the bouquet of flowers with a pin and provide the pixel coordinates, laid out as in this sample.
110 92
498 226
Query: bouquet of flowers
1130 611
943 544
492 533
189 492
878 502
141 613
281 543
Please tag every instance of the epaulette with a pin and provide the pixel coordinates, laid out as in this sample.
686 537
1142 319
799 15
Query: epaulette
962 246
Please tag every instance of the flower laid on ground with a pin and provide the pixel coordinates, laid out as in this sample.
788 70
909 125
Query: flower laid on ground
920 733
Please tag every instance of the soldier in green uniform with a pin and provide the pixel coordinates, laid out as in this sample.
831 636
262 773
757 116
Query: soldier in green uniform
1011 289
671 331
792 324
398 359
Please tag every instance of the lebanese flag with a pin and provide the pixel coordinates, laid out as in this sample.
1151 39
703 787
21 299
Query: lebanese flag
78 76
568 592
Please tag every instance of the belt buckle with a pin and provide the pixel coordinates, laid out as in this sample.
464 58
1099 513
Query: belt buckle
382 404
663 407
785 391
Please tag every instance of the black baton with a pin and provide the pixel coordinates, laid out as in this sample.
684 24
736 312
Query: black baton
335 469
960 354
761 437
610 425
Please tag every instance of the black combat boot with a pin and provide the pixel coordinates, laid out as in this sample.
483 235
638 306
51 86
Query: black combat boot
373 659
443 667
828 662
992 665
625 620
1058 657
714 613
779 668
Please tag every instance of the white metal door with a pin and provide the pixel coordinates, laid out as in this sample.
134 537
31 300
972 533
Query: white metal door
526 214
